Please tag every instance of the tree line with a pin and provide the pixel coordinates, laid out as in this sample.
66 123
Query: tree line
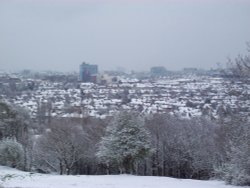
128 142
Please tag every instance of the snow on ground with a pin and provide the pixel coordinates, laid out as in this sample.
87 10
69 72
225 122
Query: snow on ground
12 178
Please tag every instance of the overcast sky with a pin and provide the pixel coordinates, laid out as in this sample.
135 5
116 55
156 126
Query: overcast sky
136 34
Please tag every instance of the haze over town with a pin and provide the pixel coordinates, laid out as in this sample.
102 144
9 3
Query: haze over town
134 35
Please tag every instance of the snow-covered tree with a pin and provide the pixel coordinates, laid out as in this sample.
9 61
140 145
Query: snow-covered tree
235 168
125 143
14 122
11 153
60 148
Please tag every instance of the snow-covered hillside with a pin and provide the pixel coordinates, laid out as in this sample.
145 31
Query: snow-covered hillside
14 178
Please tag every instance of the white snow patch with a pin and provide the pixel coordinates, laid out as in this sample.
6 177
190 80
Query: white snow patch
14 178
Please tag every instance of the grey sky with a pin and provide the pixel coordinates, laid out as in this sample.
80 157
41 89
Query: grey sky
59 35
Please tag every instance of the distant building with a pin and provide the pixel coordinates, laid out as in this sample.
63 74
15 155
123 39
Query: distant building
104 79
88 73
158 71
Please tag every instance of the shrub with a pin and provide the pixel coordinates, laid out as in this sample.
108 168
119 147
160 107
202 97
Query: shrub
11 153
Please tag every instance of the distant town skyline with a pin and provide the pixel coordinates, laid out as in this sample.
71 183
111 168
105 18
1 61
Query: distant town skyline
132 35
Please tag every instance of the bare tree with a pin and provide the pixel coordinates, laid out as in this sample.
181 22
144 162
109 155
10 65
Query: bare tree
62 146
240 66
185 148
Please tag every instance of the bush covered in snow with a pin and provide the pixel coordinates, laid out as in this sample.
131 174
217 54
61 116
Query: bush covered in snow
11 153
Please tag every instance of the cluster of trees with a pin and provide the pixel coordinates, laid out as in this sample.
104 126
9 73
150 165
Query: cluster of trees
159 144
14 126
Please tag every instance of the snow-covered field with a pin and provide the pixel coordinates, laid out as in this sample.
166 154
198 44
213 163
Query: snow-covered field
12 178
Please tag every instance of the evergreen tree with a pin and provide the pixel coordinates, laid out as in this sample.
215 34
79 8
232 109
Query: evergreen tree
125 143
